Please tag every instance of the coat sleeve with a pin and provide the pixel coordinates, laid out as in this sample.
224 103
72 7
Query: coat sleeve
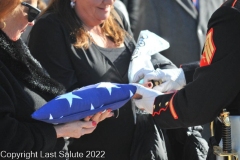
215 84
19 135
50 45
189 69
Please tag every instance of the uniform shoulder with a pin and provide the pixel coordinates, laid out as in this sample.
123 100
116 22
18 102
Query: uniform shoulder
235 4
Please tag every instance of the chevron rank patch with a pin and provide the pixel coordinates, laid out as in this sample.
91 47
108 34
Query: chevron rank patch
209 50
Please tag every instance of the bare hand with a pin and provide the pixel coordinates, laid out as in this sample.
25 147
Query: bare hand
100 116
75 129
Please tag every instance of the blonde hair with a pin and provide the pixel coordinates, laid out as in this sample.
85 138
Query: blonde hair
110 27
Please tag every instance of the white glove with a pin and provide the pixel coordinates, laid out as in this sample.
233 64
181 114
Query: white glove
140 74
148 97
173 79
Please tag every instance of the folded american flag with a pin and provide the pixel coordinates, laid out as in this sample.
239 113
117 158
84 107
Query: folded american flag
85 101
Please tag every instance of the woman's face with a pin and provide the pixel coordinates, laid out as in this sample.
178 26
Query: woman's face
17 21
93 12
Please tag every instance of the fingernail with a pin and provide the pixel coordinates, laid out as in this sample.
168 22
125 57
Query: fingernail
149 84
94 123
109 110
89 117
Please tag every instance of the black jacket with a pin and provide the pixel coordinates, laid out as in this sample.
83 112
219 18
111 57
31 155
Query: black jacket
51 43
24 87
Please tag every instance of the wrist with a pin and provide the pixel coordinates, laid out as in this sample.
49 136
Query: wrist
182 79
59 132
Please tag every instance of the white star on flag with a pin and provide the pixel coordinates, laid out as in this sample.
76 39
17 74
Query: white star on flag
69 97
107 85
131 94
92 107
50 117
85 101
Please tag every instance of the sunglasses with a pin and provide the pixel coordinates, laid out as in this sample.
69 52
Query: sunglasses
33 12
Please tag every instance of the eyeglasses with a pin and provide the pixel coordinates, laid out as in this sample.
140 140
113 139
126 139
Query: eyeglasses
33 12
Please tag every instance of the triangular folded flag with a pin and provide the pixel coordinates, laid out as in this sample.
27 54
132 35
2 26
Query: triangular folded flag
85 101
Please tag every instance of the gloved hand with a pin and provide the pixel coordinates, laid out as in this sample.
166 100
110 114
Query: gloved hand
148 97
173 79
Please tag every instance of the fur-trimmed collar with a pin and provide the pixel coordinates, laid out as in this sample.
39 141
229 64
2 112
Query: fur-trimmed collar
16 56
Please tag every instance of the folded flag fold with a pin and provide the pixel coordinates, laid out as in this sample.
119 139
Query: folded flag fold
85 101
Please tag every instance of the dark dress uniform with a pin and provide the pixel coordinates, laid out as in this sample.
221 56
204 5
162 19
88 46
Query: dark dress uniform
215 83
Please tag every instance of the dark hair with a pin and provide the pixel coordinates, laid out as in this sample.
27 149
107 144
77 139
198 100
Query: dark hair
71 20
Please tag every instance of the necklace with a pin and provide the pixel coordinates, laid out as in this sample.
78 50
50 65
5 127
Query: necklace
101 38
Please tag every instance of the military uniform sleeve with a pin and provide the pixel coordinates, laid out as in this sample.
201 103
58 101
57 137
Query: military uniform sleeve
189 69
215 83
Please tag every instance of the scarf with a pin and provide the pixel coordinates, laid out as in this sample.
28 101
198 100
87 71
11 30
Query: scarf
17 57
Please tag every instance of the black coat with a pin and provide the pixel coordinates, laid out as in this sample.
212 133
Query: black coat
24 87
